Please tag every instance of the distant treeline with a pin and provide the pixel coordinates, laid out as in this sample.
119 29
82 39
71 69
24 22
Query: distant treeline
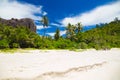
104 36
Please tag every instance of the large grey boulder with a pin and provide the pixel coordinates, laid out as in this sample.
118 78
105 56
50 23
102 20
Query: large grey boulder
26 22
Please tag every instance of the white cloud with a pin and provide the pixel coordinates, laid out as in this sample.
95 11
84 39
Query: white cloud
61 33
101 14
14 9
39 27
55 24
44 13
51 34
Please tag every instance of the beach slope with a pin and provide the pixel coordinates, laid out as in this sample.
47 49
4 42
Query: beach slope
61 65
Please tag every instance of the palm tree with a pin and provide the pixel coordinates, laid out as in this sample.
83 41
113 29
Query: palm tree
79 27
68 30
57 34
45 23
71 29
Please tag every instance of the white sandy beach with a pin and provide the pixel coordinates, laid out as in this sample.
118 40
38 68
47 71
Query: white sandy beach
61 65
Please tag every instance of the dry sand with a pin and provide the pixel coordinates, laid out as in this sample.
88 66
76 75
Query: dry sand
61 65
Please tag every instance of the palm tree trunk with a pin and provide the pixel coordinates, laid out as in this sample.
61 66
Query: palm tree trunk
44 31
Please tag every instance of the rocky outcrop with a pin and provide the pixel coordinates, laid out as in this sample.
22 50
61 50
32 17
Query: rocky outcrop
26 22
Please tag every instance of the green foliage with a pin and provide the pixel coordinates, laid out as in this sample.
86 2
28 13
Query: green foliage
82 45
15 45
72 31
20 37
63 44
104 36
4 44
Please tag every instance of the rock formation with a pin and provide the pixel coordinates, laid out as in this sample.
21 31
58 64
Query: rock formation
26 22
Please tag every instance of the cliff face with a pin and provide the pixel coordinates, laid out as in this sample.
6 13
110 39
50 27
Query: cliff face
26 22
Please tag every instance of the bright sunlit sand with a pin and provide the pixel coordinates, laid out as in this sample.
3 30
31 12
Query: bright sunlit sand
61 65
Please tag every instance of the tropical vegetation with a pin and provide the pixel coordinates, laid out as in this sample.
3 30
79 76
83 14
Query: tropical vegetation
104 36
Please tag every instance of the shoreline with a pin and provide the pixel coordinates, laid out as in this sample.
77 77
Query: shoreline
31 50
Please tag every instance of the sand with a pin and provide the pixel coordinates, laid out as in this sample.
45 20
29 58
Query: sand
61 65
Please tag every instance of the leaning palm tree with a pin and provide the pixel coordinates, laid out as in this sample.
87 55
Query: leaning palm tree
45 23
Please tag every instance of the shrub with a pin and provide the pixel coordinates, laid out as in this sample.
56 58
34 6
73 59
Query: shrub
106 47
4 44
82 45
15 45
97 47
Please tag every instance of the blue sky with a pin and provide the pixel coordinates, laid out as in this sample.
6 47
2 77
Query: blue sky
62 12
